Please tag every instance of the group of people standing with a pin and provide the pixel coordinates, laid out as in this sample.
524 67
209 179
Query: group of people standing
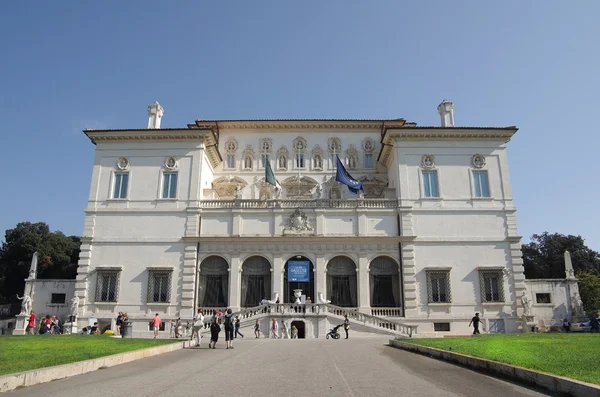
231 325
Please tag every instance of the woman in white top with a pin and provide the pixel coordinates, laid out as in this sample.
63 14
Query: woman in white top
198 325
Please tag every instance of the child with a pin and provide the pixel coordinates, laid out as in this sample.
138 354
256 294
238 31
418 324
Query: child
215 328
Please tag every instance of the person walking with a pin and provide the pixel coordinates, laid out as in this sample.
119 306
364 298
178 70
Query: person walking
257 329
229 328
284 331
237 327
198 324
346 324
274 329
156 322
31 324
475 321
215 328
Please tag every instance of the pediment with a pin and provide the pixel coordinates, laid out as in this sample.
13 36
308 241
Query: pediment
226 186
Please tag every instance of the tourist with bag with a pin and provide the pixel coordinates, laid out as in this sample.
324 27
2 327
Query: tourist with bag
229 329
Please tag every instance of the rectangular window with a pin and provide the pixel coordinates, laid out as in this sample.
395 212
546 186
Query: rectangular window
58 298
430 184
482 188
438 286
231 161
263 159
441 327
491 283
159 285
369 160
543 298
107 285
299 160
169 185
121 180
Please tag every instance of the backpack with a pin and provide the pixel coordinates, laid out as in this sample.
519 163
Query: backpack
227 319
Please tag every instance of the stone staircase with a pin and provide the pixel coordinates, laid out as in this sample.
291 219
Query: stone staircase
366 322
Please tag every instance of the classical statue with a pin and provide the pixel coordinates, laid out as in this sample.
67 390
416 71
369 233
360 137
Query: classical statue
319 191
25 303
277 192
238 192
525 302
74 305
322 298
578 305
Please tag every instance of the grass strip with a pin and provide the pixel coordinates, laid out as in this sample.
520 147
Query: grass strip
24 353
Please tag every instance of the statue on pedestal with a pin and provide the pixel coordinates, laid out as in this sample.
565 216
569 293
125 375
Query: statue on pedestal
74 305
25 303
526 304
577 305
569 272
318 191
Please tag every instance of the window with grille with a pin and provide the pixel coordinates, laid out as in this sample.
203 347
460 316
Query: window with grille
121 181
543 298
299 160
159 285
438 286
441 327
169 185
492 288
107 286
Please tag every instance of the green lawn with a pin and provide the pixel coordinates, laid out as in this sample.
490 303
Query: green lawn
575 356
24 353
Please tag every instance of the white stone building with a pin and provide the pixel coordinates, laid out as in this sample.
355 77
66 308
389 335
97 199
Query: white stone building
182 218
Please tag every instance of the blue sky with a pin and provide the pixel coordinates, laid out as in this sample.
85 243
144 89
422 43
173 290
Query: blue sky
69 65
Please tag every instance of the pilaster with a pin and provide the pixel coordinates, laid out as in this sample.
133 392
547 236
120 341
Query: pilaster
320 277
364 301
83 270
188 281
235 275
277 279
236 223
410 280
517 273
362 222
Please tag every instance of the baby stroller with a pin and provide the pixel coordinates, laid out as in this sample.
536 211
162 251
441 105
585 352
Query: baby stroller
334 332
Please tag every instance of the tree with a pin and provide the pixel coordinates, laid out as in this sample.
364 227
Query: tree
543 257
589 290
57 256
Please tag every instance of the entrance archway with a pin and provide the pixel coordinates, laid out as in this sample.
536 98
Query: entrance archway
341 281
213 285
300 263
384 282
301 328
256 281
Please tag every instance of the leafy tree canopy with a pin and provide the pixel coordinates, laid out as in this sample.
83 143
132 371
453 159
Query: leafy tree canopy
543 257
57 256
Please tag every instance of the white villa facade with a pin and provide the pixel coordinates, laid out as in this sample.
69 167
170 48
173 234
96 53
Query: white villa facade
182 218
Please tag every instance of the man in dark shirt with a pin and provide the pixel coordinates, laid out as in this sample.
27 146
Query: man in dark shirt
475 321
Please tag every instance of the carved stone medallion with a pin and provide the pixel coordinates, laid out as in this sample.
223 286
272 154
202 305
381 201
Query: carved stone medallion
428 161
123 163
478 161
298 224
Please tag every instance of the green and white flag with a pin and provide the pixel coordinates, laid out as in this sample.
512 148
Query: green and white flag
270 176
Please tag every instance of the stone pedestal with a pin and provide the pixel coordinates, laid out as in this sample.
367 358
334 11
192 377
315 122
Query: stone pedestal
21 324
70 328
528 323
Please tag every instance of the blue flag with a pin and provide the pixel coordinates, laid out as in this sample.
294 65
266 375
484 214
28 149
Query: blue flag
344 177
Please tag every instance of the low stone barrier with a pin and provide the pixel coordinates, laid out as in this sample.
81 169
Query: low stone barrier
555 384
42 375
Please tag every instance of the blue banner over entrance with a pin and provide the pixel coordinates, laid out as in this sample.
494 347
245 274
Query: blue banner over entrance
298 271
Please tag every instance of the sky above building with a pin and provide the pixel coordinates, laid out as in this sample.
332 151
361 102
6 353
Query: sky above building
70 65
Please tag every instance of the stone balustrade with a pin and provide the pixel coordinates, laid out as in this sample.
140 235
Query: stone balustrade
296 203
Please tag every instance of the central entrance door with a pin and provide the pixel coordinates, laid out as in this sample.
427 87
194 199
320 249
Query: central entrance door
299 273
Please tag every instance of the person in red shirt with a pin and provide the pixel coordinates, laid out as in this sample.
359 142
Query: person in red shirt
156 322
31 325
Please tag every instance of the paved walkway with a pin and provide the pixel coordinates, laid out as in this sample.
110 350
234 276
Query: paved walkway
262 367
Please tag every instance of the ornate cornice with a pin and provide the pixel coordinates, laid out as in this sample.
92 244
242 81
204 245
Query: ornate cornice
391 135
207 136
297 124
